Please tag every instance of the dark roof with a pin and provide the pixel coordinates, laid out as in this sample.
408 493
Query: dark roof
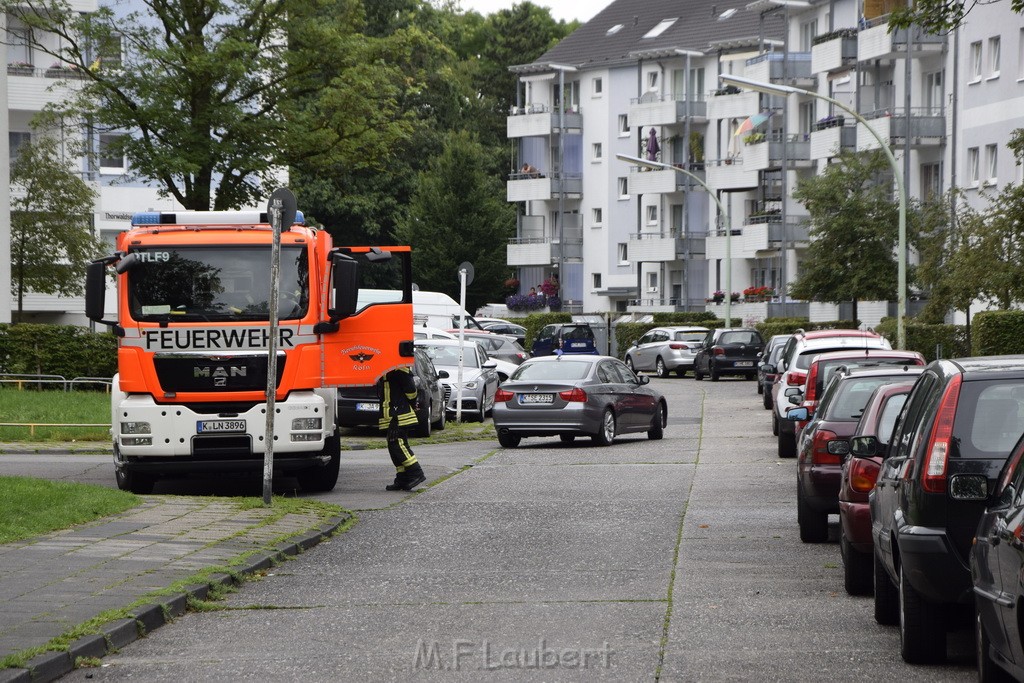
697 28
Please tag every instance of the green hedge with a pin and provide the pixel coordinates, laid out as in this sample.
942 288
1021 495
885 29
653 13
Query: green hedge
686 318
997 333
64 350
926 338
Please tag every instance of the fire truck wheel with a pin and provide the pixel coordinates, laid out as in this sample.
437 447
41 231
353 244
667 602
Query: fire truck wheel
134 481
323 479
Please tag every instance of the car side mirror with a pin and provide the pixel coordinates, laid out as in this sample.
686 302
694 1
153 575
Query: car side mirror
768 367
643 379
867 447
797 414
443 374
490 364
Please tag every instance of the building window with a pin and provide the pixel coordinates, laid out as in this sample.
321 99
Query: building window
623 125
662 26
111 154
19 49
975 63
931 182
972 166
993 57
806 117
108 53
990 164
15 141
933 96
623 254
652 282
597 215
652 215
623 188
1020 56
652 80
597 151
598 86
595 279
808 31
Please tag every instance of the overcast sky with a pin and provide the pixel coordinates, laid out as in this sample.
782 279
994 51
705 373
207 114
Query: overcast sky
560 9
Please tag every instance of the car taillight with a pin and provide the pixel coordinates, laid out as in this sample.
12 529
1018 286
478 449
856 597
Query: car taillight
933 474
503 396
795 379
812 380
575 395
718 350
863 474
677 346
820 452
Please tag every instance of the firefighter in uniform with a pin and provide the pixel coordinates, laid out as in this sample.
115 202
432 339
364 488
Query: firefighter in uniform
397 393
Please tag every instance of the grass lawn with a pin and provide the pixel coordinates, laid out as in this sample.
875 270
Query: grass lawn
29 507
54 407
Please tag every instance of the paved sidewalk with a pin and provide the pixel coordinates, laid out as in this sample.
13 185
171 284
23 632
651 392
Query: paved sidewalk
52 583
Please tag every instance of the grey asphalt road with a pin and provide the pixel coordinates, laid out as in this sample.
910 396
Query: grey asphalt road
672 560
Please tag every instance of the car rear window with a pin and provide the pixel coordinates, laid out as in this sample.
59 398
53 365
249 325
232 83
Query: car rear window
563 370
989 418
739 338
852 396
827 368
690 336
577 333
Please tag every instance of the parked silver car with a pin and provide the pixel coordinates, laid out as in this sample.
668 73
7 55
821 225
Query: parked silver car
479 376
577 395
666 349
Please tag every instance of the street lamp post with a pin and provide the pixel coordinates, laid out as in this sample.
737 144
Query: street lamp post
901 298
637 161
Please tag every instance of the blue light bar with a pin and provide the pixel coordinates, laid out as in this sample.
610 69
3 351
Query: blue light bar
207 218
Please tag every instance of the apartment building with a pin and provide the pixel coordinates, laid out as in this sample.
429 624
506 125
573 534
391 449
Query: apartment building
714 211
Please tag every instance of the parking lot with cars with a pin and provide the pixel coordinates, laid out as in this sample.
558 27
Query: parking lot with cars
676 560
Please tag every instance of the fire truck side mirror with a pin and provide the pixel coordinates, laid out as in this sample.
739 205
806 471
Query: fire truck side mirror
95 290
345 285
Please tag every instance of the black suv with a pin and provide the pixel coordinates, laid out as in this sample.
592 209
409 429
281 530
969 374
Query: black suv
950 441
360 406
728 351
564 337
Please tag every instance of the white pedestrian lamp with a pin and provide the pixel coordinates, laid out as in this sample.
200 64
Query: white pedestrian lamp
784 90
646 163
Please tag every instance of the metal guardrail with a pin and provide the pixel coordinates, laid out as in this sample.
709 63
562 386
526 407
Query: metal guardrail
23 379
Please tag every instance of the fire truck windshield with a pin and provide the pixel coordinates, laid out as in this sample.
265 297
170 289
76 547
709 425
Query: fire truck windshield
215 283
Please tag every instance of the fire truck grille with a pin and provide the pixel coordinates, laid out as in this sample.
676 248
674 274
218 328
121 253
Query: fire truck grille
213 374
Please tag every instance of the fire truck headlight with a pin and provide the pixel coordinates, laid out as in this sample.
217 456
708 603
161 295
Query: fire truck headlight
136 428
304 423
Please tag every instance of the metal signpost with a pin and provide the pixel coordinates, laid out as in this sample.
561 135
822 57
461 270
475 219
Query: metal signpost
281 212
465 279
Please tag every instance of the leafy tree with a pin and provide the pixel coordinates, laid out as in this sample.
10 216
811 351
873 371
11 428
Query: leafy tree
458 213
992 247
942 271
215 101
939 16
51 223
854 219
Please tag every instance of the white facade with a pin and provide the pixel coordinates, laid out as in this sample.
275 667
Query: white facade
946 115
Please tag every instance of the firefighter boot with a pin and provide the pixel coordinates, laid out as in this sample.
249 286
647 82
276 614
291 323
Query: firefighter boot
408 479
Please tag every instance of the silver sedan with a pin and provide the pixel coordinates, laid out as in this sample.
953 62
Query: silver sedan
572 395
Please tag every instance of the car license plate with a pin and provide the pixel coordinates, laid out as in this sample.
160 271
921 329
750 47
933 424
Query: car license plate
744 364
577 345
532 399
203 426
368 407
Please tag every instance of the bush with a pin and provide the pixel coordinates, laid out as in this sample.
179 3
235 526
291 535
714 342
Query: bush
925 339
698 318
998 333
64 350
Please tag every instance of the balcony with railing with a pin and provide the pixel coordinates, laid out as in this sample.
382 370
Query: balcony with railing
660 181
926 127
778 67
730 173
540 119
664 246
537 247
766 232
652 109
834 51
831 136
30 88
732 103
875 42
524 187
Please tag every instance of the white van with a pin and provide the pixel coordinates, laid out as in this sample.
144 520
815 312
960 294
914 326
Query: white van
437 309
